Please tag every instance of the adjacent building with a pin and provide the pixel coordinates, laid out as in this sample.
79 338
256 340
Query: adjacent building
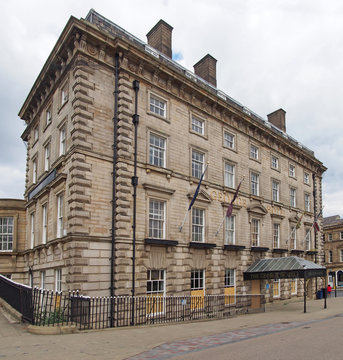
333 233
118 137
12 237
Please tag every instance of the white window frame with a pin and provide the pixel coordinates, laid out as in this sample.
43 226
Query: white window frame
42 279
157 150
292 170
229 140
47 157
341 235
293 237
306 178
330 237
6 233
156 280
275 190
230 230
64 94
30 279
307 202
229 174
308 239
158 106
341 255
230 278
32 230
44 223
198 163
60 201
62 140
48 115
58 280
276 295
295 282
34 170
276 235
255 232
198 279
293 197
275 162
157 219
198 225
197 125
255 183
254 152
35 133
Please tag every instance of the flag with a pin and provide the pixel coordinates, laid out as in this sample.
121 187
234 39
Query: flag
197 190
299 221
316 226
230 208
194 198
315 222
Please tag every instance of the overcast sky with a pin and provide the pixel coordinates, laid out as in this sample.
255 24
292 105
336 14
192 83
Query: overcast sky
271 54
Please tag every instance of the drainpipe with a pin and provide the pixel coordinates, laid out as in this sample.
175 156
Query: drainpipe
315 219
135 121
114 203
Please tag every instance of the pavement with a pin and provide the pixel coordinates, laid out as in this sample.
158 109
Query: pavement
163 341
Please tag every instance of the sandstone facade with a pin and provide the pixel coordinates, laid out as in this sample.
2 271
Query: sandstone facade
85 87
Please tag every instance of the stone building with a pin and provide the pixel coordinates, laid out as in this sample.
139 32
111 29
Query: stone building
118 137
333 247
12 237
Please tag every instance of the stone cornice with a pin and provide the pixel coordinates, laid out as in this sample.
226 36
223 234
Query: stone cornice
80 35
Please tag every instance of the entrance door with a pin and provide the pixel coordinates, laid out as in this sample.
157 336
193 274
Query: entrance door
256 290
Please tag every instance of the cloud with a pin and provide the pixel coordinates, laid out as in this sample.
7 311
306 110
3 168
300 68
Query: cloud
11 182
271 54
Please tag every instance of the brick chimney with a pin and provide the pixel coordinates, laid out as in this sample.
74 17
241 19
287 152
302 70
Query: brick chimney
160 38
278 118
206 69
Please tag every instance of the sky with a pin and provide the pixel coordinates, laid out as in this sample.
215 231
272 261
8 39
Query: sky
271 54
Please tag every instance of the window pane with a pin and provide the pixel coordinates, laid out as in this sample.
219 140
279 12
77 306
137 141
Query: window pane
197 125
156 219
157 150
254 184
197 225
230 230
155 281
229 140
157 106
229 175
197 164
6 233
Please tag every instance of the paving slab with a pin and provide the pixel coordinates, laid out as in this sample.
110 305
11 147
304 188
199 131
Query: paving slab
124 343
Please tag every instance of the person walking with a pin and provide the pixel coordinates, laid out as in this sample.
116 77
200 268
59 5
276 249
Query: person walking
329 290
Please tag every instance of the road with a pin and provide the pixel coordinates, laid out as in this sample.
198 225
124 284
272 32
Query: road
282 332
315 341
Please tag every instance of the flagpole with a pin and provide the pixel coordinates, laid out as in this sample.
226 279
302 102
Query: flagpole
316 218
194 197
221 224
296 227
231 204
184 220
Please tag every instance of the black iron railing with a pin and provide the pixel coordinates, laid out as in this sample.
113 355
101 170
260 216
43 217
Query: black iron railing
52 308
18 296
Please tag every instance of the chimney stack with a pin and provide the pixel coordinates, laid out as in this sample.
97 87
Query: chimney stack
160 38
278 118
206 69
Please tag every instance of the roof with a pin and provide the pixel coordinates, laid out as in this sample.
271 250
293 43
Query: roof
283 268
332 220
